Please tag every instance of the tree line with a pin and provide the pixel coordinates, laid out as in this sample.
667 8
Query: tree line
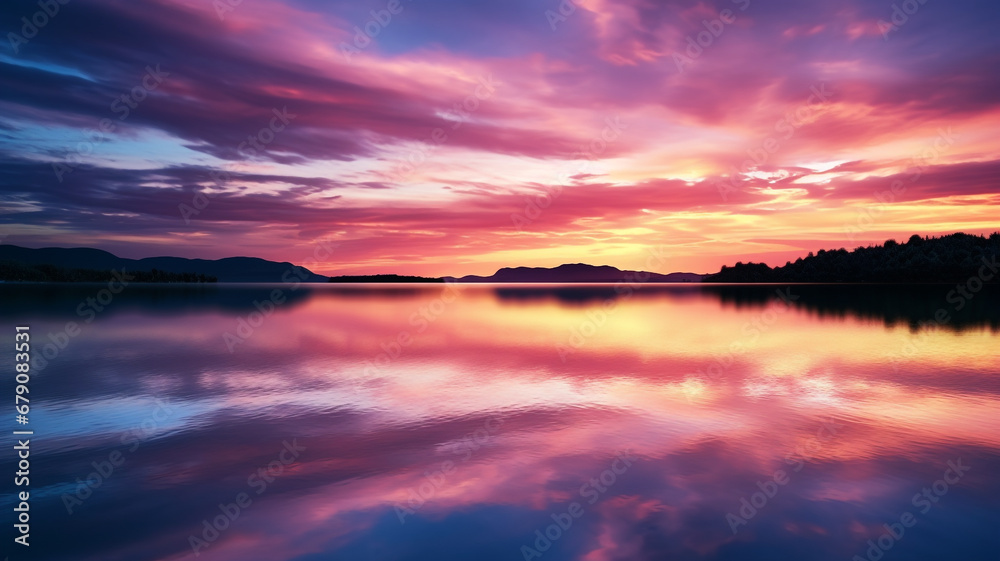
949 258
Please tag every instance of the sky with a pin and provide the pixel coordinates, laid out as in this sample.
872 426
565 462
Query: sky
445 138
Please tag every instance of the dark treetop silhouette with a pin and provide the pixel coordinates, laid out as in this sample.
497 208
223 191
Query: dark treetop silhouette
951 258
383 278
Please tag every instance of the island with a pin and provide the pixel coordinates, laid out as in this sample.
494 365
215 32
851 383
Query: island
383 278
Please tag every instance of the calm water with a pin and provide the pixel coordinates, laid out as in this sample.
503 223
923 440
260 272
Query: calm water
681 422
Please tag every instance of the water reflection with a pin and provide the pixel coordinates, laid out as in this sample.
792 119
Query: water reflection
713 389
941 306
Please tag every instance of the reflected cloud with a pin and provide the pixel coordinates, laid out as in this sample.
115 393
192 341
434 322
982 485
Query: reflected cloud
704 441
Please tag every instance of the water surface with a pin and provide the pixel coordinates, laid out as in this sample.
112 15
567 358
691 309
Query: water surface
432 422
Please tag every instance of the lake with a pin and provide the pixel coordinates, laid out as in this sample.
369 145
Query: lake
481 422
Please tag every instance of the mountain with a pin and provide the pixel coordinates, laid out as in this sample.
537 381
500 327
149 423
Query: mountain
230 269
576 272
956 257
17 271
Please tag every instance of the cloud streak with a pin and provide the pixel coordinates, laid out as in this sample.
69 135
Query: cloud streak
331 173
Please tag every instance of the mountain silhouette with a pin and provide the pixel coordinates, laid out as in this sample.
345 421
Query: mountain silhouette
230 269
576 272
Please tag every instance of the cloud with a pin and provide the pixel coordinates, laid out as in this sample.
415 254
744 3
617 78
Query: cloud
335 168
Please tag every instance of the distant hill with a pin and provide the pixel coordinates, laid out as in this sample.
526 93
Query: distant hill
383 278
231 269
952 258
17 271
577 272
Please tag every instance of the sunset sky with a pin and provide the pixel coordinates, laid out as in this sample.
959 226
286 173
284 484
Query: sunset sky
778 135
